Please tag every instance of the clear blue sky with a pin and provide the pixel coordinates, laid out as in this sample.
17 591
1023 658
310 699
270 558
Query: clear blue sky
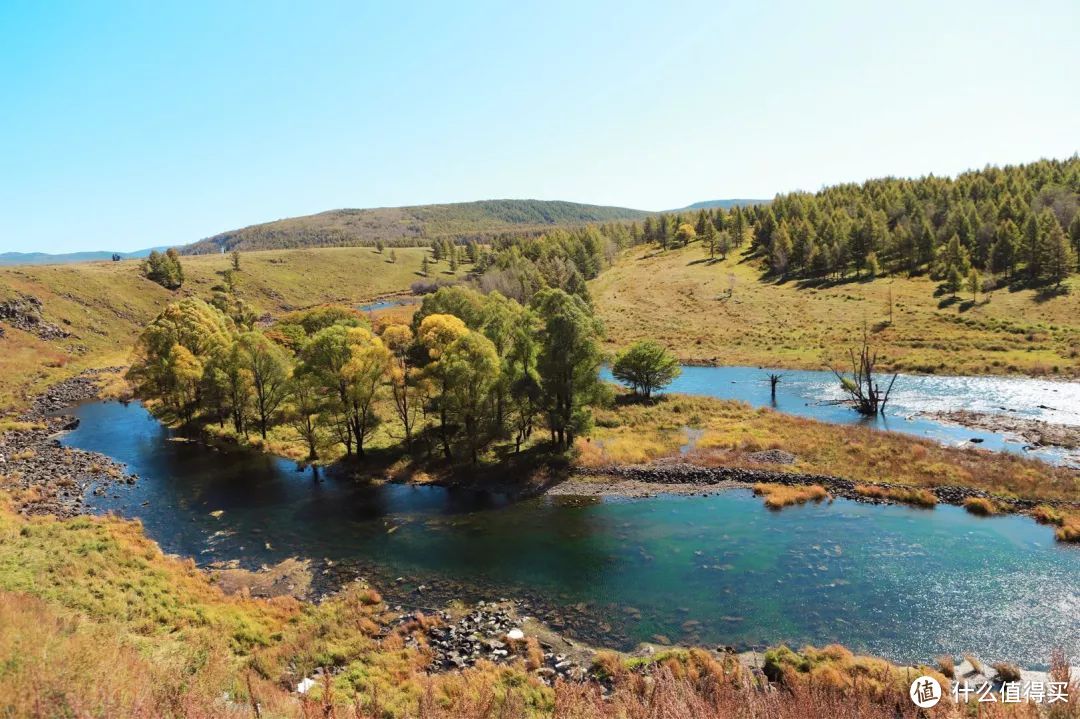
126 125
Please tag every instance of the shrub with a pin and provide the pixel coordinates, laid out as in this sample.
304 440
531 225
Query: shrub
947 666
980 506
778 496
164 269
1006 672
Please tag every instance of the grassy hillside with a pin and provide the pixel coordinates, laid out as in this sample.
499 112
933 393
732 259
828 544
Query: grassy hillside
411 225
682 300
104 305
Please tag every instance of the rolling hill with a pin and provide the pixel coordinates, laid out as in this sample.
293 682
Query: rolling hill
45 258
403 226
723 204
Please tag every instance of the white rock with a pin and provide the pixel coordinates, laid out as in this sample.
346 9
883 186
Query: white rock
515 634
305 686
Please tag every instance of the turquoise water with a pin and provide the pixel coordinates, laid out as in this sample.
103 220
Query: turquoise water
814 394
904 583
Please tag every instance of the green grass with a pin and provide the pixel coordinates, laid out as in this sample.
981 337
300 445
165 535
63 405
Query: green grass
106 304
681 300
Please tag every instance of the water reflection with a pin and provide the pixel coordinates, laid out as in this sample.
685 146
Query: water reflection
907 584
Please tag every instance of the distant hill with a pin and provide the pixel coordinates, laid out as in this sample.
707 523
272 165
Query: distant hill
44 258
412 225
723 204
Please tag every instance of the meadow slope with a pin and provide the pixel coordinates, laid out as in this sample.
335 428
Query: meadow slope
724 313
104 305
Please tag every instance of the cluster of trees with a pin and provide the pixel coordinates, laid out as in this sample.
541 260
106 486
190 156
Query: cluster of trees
165 269
1020 223
469 369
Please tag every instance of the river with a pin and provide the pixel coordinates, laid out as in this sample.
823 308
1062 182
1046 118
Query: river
903 583
915 398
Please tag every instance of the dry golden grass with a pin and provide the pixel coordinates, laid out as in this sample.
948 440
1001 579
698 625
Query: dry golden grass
726 432
680 300
1067 521
905 495
981 506
778 496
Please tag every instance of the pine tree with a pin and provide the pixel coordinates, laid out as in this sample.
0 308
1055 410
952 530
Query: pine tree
702 221
709 238
1074 234
379 246
973 284
1003 251
1031 248
663 231
780 252
954 265
1059 257
425 266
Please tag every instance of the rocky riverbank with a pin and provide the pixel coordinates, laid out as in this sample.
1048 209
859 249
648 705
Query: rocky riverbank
1036 433
645 480
43 476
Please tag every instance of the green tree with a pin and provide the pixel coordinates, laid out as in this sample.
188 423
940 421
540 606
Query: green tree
954 264
1074 234
568 363
363 377
437 333
302 413
780 252
1060 258
164 269
328 357
1005 248
709 238
646 367
723 244
405 379
471 367
973 284
236 260
270 368
192 325
425 266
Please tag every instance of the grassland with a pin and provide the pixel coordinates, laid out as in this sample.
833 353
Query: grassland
714 432
104 305
726 314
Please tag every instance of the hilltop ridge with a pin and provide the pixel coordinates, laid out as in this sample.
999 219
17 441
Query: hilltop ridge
413 225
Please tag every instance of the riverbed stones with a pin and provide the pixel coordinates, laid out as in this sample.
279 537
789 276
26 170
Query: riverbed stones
53 479
682 475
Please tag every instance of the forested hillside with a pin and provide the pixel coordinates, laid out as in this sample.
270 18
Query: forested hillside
1011 225
410 226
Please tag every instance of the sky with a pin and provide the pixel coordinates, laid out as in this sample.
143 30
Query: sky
126 125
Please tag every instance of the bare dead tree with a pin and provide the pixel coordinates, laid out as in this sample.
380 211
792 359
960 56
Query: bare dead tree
863 390
774 379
